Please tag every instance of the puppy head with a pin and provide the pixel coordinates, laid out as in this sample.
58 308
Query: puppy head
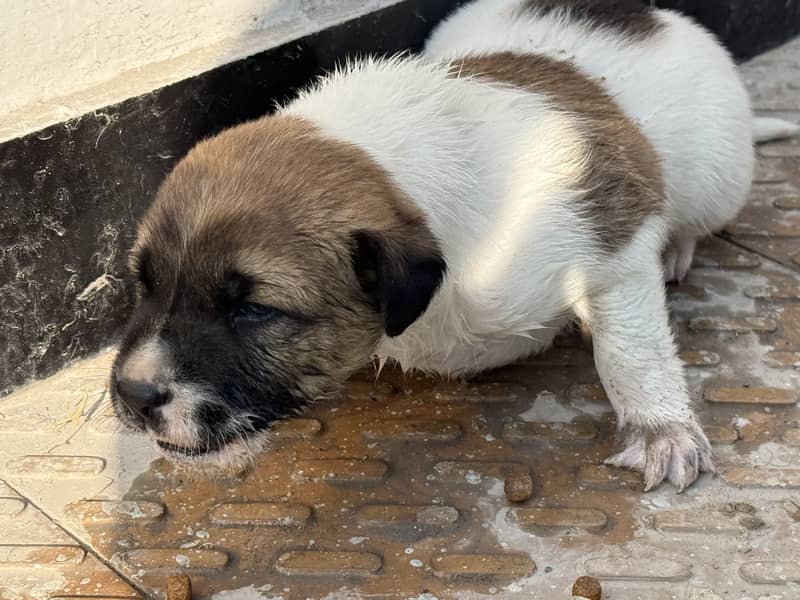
270 264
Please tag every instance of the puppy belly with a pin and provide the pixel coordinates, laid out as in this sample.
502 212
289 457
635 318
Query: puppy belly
461 358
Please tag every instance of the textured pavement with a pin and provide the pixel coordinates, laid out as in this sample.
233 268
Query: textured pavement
397 490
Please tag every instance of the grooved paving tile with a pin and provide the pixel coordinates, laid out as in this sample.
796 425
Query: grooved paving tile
326 563
700 358
644 592
775 572
788 337
11 507
761 477
296 429
39 555
602 477
639 569
781 227
781 149
769 224
109 511
38 559
783 359
560 518
473 473
490 393
721 435
770 170
414 431
95 597
713 254
339 470
173 560
764 396
49 465
736 324
388 515
483 566
543 433
792 437
587 392
260 514
714 521
773 292
787 202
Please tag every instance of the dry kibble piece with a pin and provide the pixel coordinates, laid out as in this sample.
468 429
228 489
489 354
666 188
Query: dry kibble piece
519 487
179 587
586 588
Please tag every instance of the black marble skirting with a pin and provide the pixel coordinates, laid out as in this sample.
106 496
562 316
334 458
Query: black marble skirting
748 27
70 194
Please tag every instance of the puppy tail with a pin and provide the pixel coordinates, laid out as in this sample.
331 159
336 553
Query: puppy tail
767 129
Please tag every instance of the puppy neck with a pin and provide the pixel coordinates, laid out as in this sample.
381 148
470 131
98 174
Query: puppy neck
409 117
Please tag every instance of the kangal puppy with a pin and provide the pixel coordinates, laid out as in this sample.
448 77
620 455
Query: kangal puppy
450 215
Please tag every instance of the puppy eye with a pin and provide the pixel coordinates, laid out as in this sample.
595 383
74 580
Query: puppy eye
251 312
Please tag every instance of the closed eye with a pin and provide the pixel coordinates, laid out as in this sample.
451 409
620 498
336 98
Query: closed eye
254 313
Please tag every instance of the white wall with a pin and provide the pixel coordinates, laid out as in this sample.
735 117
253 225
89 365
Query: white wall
62 58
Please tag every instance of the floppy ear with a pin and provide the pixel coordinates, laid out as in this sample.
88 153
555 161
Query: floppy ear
399 274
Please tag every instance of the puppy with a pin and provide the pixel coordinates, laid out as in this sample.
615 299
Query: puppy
450 213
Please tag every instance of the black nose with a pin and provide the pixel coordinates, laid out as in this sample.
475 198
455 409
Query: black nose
142 397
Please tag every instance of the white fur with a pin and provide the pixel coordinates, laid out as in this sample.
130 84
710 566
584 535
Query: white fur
681 87
496 171
233 459
150 362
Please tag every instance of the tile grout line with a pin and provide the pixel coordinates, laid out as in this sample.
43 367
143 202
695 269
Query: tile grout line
80 542
735 242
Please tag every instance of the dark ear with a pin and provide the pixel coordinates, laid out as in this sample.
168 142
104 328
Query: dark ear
399 278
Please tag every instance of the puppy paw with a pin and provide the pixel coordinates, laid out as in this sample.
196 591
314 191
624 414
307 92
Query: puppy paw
677 453
678 259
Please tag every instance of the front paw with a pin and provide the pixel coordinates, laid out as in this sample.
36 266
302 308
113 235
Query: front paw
676 452
678 259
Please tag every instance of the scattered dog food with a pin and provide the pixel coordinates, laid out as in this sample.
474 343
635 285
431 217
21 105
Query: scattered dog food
519 487
586 588
179 587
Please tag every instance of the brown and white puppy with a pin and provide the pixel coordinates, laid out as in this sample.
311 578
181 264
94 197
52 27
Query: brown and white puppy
450 215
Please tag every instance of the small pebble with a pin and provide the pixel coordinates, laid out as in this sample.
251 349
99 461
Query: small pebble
179 587
587 588
519 487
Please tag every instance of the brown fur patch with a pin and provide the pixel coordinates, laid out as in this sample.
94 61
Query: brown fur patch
624 175
278 203
632 18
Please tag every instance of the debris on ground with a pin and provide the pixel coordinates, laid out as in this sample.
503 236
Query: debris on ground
519 487
587 588
179 587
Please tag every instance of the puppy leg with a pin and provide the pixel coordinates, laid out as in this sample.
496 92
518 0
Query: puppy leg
678 258
636 357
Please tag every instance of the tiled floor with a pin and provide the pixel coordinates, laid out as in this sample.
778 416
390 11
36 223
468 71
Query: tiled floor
396 491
